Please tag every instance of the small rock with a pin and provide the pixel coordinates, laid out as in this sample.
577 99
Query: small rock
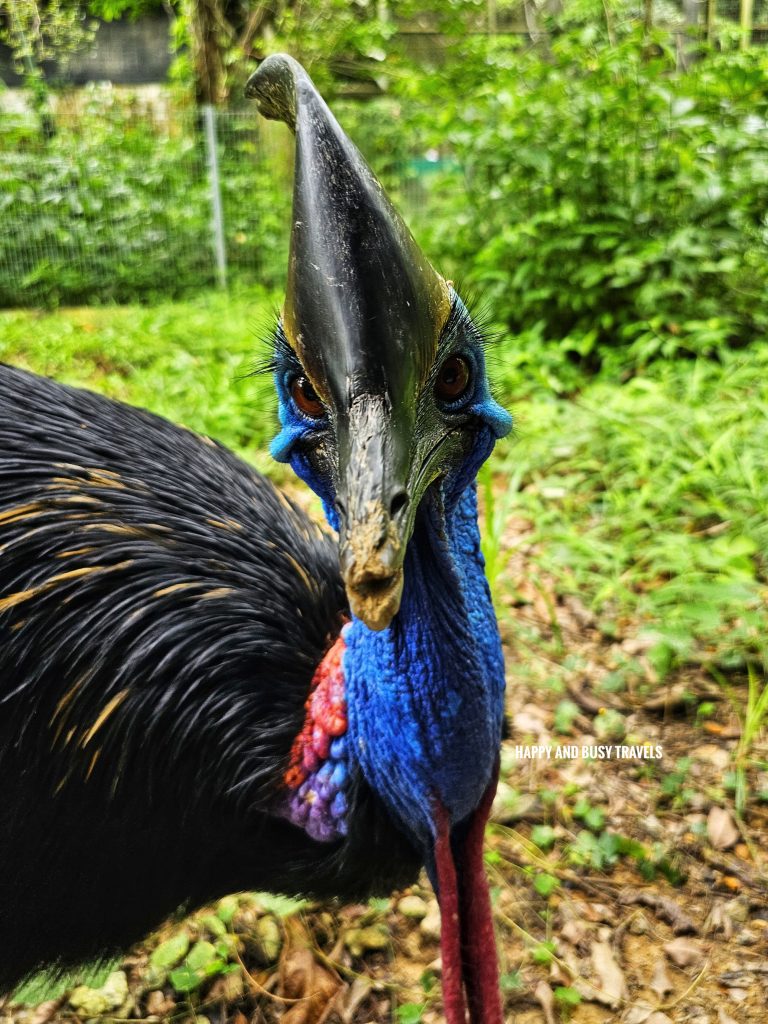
721 829
414 907
746 937
613 986
653 825
531 721
510 806
94 1002
270 938
638 924
574 932
658 1018
363 940
718 757
430 925
158 1005
738 995
738 910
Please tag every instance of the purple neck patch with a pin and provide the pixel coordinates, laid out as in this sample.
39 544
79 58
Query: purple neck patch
318 770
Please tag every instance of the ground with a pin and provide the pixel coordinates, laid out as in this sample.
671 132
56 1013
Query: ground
625 538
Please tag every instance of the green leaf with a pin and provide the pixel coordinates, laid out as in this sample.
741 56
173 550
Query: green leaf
171 951
409 1013
545 884
543 952
543 836
201 954
567 996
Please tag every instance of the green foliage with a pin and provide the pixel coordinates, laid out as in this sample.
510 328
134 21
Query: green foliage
566 712
36 31
646 502
610 202
543 952
545 884
111 10
171 951
409 1013
116 206
189 362
566 997
543 836
47 986
754 715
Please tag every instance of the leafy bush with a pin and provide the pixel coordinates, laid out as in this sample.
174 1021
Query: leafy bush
117 207
611 201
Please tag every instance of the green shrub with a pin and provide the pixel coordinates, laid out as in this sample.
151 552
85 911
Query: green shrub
610 201
116 207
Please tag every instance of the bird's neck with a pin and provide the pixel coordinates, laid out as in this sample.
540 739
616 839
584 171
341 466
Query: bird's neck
425 696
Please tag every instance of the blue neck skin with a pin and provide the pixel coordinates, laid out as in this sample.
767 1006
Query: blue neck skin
426 695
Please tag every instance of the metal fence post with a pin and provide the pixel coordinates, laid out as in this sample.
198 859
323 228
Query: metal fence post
217 218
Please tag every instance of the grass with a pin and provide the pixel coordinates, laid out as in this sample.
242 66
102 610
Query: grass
188 361
645 499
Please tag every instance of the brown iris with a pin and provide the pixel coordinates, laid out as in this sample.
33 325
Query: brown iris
306 398
453 379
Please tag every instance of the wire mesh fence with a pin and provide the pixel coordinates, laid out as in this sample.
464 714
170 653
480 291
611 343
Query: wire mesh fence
120 202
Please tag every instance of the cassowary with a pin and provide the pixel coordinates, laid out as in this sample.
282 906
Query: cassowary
200 691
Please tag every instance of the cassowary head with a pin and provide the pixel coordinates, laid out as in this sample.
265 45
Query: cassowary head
384 398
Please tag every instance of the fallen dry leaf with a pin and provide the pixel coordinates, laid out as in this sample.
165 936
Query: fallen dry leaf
358 991
46 1011
637 1014
546 1001
313 988
665 907
612 987
684 953
721 829
661 983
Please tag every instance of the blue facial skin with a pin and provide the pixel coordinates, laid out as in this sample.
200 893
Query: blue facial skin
425 696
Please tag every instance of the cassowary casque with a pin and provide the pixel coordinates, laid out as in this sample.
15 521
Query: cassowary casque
200 691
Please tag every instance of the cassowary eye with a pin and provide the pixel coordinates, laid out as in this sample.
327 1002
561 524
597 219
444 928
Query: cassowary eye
305 396
453 379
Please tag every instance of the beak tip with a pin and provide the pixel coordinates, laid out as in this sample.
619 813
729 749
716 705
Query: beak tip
376 606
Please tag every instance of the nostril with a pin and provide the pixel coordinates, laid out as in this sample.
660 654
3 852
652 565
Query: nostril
341 508
398 503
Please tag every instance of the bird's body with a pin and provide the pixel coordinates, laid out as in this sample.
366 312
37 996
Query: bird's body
163 609
201 692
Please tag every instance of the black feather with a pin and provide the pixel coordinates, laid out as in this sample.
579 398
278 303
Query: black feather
162 610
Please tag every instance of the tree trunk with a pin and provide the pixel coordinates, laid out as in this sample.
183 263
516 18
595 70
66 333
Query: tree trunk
208 33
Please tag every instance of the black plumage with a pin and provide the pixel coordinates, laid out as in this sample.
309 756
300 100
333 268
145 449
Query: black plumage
163 608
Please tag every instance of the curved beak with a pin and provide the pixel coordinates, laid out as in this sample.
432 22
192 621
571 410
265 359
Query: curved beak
374 510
